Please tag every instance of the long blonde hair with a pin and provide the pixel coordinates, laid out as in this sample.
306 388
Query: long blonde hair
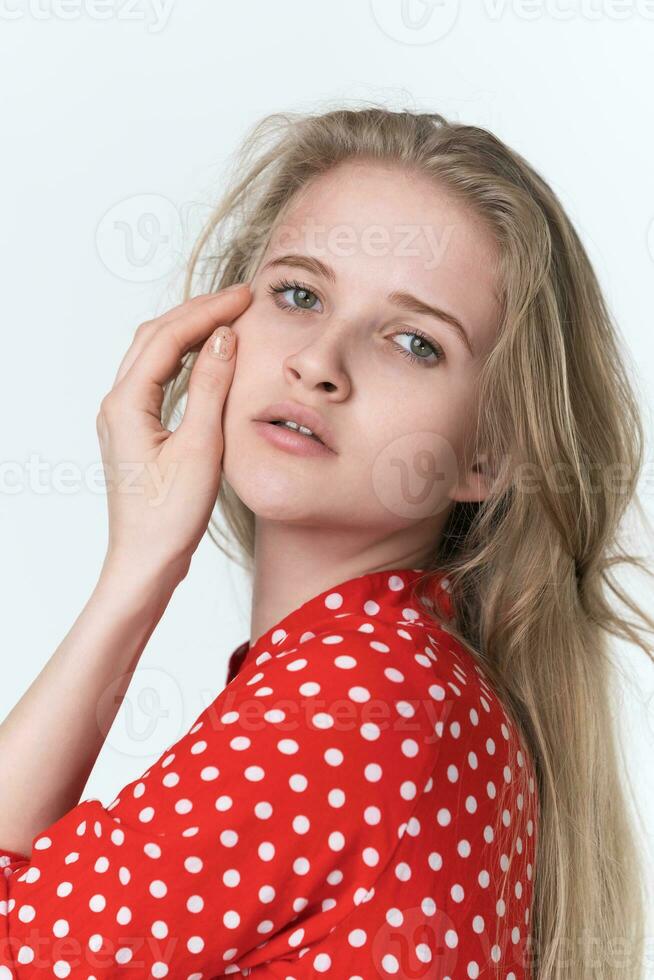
529 568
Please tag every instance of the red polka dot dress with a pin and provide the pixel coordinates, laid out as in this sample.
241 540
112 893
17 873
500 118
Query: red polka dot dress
355 804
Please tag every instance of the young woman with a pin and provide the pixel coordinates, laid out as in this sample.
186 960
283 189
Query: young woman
412 770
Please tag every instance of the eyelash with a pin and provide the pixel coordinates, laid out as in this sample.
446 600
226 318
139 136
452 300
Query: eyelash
275 289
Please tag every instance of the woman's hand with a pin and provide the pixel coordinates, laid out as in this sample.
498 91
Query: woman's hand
161 485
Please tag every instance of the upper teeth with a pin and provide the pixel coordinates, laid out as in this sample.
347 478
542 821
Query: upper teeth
301 428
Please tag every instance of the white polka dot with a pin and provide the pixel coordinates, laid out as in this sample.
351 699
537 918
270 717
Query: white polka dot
301 824
423 953
373 772
123 954
457 893
60 928
288 746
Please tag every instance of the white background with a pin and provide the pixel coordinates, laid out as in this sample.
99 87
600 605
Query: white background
112 110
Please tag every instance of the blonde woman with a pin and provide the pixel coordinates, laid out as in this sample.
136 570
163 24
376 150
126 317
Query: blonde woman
401 384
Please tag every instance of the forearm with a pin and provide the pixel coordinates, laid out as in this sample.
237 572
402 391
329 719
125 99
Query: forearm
51 739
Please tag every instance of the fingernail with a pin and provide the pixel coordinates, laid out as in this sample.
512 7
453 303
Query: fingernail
223 342
236 285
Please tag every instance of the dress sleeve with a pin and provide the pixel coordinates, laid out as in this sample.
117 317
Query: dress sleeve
248 840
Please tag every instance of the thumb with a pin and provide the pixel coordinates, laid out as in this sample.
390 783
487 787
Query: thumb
208 385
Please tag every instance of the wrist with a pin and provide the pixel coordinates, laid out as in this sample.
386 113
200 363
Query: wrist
142 577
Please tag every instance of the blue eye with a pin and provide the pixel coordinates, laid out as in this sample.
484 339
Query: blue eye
302 296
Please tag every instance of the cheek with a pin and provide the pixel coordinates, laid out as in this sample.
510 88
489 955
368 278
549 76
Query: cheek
400 414
417 439
260 345
412 468
253 369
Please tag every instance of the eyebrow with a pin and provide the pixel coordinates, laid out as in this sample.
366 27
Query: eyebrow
398 297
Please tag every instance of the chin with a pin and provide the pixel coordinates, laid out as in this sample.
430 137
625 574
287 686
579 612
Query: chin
271 492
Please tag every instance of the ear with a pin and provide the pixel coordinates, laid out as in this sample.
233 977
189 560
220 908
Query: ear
476 482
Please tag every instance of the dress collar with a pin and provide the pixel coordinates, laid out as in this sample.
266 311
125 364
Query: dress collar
387 595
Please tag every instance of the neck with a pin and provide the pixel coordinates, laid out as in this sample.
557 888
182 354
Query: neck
292 564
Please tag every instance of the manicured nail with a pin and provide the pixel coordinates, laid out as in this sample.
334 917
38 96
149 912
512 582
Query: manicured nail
236 285
223 343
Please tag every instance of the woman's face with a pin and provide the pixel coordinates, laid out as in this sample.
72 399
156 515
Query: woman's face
399 406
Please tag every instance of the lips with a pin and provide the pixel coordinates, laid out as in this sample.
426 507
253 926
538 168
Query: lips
293 411
291 441
305 434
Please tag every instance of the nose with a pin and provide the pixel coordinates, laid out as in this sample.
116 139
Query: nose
319 363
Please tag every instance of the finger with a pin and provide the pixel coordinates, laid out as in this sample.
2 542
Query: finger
208 384
159 360
144 332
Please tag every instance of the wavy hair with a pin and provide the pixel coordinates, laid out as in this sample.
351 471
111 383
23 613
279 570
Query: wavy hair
530 566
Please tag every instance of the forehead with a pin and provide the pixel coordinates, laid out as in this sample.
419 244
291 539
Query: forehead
385 226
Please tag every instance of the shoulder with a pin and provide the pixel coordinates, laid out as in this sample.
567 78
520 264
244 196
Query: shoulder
388 659
404 686
344 702
414 673
409 670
